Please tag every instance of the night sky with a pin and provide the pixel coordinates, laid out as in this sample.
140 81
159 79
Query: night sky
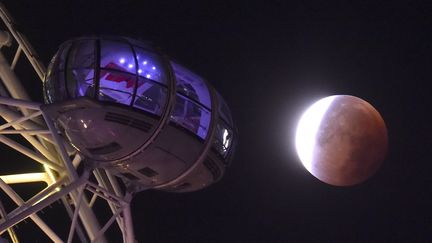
270 61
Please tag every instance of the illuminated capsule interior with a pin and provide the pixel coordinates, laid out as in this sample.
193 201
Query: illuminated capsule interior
144 117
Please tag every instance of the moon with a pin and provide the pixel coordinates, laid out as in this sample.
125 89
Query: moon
341 140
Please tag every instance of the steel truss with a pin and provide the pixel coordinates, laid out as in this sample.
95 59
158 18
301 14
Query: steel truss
42 143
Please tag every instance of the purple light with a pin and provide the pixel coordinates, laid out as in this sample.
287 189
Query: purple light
139 71
148 76
154 68
122 60
130 66
145 63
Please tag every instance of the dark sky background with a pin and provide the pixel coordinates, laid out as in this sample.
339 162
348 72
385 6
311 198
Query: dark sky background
271 60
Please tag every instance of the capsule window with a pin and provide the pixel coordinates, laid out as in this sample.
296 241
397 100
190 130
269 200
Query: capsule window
191 115
80 82
151 96
55 87
224 111
150 66
117 56
223 138
191 85
116 87
62 57
82 55
59 60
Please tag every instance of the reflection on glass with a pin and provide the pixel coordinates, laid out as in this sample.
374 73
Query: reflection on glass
191 116
191 85
150 66
80 82
186 89
82 55
151 96
58 61
52 66
118 56
116 86
55 87
62 56
222 139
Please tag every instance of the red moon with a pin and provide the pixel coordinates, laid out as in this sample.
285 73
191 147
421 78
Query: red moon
341 140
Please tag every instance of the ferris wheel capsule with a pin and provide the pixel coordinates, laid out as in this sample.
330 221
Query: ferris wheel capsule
137 113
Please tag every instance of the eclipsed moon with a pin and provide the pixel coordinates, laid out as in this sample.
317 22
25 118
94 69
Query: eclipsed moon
341 140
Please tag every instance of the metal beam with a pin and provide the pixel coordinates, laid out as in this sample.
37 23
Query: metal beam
38 221
75 215
25 178
20 120
11 221
29 153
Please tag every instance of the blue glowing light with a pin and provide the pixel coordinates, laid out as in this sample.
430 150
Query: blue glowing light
122 60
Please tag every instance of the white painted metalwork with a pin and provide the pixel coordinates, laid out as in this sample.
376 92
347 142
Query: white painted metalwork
26 129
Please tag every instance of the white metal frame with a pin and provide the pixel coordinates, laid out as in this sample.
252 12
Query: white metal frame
57 158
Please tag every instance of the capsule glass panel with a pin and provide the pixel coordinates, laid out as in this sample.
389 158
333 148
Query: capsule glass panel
223 138
150 66
54 84
80 82
191 85
82 55
191 115
151 96
117 56
58 61
116 86
224 111
55 87
61 58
